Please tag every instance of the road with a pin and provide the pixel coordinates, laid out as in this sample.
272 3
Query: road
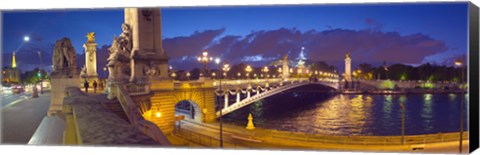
9 99
20 120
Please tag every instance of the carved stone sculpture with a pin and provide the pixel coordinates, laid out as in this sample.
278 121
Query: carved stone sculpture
64 59
119 55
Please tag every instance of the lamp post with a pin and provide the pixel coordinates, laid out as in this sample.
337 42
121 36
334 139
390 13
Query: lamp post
204 59
105 72
34 88
459 63
402 107
188 76
41 68
225 69
265 70
248 70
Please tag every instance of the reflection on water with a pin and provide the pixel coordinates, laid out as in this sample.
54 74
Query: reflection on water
353 114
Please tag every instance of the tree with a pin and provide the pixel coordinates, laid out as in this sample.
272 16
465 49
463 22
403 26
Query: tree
34 76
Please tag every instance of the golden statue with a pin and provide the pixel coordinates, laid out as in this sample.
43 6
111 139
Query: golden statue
347 55
91 37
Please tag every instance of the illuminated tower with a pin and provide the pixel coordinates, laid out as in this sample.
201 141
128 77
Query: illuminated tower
348 70
14 62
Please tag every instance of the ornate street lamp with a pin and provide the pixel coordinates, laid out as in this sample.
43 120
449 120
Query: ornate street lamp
265 70
459 63
225 69
248 70
204 59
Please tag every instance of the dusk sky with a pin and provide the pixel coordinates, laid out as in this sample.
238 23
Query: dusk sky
406 33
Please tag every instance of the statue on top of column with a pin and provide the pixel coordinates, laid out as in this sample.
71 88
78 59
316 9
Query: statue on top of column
119 55
90 37
347 56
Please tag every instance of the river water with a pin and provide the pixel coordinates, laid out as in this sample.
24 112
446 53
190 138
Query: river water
301 110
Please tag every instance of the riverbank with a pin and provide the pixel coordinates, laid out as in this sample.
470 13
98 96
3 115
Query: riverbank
402 92
260 138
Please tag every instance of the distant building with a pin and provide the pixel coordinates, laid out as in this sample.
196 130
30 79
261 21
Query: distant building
11 74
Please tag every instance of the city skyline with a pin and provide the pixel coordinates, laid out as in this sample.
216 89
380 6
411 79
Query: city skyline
258 35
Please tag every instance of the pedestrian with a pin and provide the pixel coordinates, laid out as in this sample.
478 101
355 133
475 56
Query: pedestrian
94 86
85 84
100 84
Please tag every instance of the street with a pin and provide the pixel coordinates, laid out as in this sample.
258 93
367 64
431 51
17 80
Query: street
21 119
9 98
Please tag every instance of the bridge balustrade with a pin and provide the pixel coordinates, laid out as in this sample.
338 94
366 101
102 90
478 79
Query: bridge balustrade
135 117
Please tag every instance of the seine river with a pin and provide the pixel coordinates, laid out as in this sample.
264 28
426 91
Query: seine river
300 110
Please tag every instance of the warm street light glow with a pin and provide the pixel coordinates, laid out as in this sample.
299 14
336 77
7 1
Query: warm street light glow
205 59
174 75
217 60
188 74
279 70
158 114
226 67
265 69
458 63
248 69
214 74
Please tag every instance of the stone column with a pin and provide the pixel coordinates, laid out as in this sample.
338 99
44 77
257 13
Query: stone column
285 69
248 94
348 69
238 97
91 59
226 101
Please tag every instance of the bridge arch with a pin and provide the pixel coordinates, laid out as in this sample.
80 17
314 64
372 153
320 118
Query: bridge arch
189 109
164 101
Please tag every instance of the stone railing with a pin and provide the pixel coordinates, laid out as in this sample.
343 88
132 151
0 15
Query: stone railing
136 119
293 137
137 89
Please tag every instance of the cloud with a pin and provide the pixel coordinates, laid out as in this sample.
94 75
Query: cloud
190 45
329 45
261 47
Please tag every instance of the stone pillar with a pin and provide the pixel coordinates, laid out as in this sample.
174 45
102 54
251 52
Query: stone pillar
285 69
147 51
238 97
348 69
91 59
226 101
248 93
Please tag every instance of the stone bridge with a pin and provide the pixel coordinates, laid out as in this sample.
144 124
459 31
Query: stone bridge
165 95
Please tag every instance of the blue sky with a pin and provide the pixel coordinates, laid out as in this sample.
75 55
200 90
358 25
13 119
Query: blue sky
430 32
